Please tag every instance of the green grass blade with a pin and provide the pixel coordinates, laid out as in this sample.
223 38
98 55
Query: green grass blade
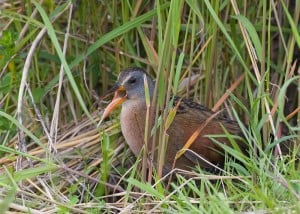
253 35
58 49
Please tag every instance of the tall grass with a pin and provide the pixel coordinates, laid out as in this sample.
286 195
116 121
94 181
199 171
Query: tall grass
58 57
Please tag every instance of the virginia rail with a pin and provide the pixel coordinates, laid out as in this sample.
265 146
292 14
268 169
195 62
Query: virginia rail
130 92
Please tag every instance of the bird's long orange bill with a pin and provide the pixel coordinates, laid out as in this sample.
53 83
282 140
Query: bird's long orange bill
116 101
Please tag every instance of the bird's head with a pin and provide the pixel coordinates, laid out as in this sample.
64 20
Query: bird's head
130 87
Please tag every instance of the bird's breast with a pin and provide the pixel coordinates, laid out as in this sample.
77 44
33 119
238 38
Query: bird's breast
133 118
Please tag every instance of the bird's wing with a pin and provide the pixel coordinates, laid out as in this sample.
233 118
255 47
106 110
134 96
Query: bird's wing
192 117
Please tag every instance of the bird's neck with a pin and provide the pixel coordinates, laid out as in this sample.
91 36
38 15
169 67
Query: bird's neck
133 119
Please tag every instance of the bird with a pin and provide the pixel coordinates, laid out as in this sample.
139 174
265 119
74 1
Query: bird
129 92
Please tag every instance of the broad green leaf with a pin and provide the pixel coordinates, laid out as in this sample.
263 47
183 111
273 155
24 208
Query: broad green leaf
253 35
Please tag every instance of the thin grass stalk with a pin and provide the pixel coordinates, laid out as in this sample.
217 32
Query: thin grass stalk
146 154
161 90
192 18
263 66
211 60
54 122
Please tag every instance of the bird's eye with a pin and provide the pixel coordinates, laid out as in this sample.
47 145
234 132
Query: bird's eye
132 80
